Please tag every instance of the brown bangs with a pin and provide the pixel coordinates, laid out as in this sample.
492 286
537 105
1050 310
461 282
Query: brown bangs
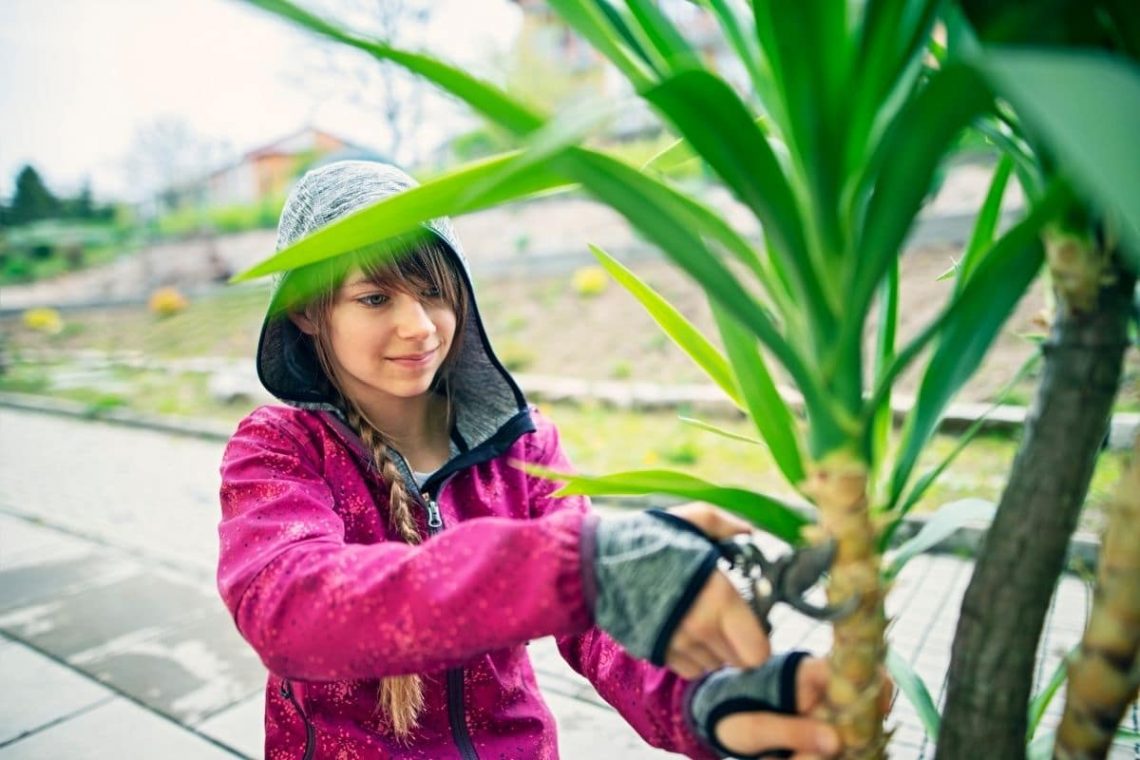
419 263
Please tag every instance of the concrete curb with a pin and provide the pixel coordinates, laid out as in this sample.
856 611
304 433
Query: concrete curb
1082 555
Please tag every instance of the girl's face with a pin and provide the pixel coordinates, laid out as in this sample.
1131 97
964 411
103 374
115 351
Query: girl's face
388 338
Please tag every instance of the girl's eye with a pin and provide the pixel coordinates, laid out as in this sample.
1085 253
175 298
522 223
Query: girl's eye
373 299
431 292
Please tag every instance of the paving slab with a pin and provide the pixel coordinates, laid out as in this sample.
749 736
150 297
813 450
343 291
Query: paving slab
241 726
134 606
23 542
48 579
38 691
117 730
187 672
586 730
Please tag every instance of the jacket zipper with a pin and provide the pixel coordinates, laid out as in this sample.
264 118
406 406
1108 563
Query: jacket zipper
310 731
456 714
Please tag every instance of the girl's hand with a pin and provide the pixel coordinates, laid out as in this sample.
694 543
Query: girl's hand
660 595
719 630
768 715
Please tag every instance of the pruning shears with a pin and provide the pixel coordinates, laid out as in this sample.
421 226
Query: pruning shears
784 579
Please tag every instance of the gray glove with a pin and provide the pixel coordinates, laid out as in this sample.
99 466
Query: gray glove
648 569
770 687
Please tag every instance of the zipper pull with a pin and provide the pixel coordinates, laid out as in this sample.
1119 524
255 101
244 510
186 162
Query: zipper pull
435 522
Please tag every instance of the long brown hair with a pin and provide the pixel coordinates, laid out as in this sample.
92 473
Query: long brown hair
419 262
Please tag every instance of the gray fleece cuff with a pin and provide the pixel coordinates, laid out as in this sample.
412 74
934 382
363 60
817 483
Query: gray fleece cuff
648 568
768 688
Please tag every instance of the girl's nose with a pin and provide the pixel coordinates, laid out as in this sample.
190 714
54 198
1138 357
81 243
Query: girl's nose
412 319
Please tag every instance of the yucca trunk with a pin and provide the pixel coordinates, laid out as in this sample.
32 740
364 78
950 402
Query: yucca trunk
839 488
993 656
1104 678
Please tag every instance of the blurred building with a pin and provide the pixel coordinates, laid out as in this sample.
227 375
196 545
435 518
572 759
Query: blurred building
264 173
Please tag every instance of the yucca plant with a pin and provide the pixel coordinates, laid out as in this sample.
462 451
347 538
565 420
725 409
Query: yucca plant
833 150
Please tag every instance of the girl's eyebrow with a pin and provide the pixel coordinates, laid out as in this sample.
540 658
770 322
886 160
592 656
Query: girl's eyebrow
362 281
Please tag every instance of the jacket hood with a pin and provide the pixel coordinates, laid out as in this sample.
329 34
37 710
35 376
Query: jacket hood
484 395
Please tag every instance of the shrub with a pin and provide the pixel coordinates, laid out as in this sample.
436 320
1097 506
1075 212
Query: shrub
16 268
621 370
684 452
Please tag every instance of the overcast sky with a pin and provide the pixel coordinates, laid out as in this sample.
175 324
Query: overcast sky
79 77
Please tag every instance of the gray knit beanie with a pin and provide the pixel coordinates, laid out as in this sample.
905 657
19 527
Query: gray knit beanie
286 362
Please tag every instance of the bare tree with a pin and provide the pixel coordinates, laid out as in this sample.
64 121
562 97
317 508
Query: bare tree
376 86
167 157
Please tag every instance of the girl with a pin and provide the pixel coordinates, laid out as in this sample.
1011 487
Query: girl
388 559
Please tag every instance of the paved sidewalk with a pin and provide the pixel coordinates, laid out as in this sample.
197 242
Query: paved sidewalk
113 642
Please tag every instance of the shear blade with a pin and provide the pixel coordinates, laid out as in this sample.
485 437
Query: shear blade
806 567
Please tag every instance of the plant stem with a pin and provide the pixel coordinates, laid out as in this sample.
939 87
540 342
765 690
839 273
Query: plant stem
1104 678
839 488
991 667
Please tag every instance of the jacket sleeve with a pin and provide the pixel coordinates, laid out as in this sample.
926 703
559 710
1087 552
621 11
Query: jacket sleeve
651 699
317 608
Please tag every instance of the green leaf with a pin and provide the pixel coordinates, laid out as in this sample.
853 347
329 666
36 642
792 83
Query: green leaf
746 48
947 519
590 21
904 166
706 221
654 209
811 42
1041 748
671 157
1040 702
768 410
621 26
881 419
912 687
739 151
403 213
969 325
1086 107
890 38
562 132
920 488
664 36
986 222
1029 170
691 340
658 213
778 518
709 427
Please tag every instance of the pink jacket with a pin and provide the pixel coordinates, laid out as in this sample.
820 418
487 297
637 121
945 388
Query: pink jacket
331 601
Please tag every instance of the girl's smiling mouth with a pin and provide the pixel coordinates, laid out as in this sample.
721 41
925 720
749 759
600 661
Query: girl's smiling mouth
415 360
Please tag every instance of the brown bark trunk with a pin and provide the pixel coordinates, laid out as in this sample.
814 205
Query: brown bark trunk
991 667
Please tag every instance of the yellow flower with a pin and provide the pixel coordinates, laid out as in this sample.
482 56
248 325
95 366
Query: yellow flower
43 320
167 301
590 281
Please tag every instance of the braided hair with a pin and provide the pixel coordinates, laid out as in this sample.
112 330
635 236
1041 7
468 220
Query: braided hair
400 698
